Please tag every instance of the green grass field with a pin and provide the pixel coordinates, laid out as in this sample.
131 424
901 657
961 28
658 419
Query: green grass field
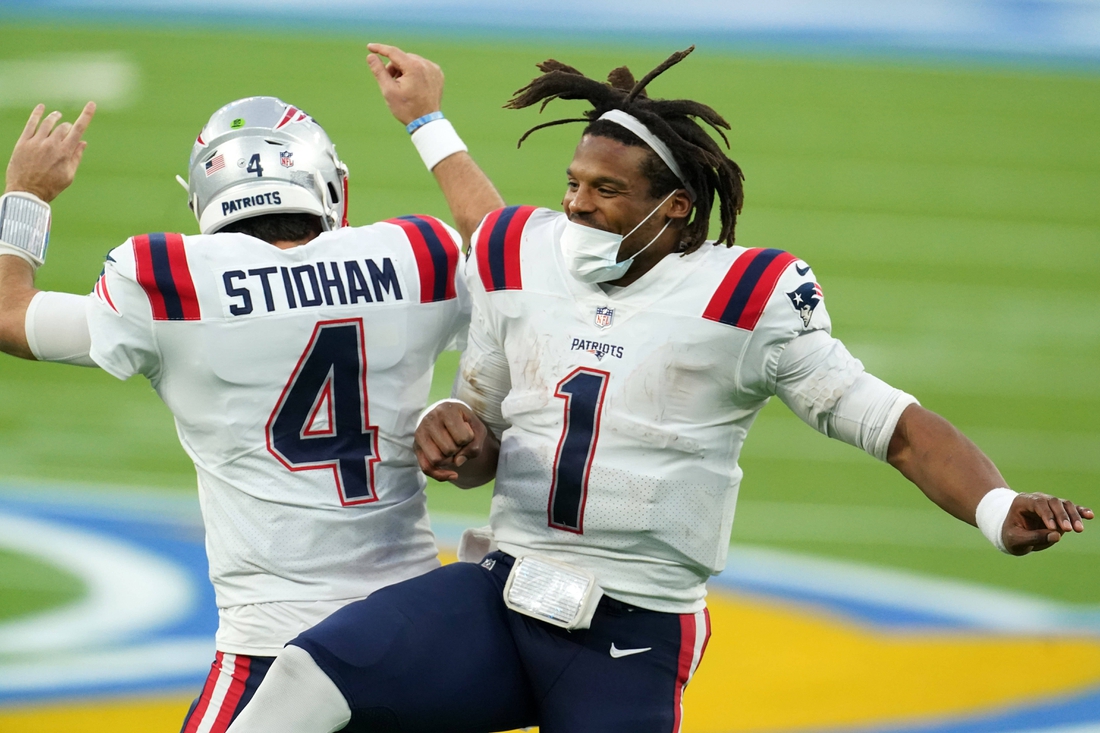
950 213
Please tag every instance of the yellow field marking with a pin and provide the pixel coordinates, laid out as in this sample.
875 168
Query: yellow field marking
155 715
769 667
775 668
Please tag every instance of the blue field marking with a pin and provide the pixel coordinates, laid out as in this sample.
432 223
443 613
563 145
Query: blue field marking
174 655
1069 714
899 600
1020 29
170 655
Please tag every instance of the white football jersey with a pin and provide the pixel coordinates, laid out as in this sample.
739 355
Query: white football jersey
626 408
295 377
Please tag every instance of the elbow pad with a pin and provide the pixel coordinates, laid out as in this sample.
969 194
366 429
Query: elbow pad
57 328
822 383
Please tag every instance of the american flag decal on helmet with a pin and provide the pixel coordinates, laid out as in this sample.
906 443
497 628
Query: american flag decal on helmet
214 165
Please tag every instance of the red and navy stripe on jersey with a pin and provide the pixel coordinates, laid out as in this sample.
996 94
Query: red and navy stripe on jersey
740 299
232 682
497 248
103 293
163 274
436 256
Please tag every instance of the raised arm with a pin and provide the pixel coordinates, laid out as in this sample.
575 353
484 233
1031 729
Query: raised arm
43 164
413 88
16 292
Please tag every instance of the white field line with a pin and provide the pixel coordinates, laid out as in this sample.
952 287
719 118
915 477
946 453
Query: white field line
1068 729
130 591
172 658
873 525
973 607
111 80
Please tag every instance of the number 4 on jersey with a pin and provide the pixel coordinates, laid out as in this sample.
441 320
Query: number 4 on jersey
583 392
321 420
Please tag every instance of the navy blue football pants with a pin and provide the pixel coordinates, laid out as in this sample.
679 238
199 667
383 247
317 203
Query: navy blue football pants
442 654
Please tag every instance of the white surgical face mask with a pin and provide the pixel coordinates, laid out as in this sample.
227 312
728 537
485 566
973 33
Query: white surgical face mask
591 254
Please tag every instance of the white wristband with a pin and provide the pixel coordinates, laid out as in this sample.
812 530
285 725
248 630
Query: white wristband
434 405
24 227
437 140
992 513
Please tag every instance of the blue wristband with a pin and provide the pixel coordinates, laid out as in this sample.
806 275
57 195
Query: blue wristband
421 121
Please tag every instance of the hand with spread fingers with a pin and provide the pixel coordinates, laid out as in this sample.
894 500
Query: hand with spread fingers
47 154
1038 521
411 85
453 444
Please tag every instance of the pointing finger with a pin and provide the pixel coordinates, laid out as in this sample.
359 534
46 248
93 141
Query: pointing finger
82 122
391 52
32 121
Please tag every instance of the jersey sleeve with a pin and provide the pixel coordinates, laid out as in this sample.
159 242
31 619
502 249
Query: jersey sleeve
827 387
437 250
795 306
120 319
483 378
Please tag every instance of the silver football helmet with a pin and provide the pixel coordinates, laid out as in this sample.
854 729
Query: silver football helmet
260 155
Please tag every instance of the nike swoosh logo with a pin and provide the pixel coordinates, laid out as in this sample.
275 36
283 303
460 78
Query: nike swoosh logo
616 653
802 271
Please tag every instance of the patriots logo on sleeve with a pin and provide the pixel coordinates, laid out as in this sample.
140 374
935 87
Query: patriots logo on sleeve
805 298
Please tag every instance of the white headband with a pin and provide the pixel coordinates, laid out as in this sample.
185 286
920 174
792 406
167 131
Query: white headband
635 125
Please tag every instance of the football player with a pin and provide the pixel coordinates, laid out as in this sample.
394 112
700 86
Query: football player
615 363
294 351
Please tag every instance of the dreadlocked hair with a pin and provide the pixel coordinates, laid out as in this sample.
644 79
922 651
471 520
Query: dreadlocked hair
705 166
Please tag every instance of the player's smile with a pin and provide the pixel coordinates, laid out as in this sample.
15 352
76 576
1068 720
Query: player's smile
607 190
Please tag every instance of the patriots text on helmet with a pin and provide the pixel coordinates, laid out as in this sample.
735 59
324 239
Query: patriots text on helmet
310 285
271 198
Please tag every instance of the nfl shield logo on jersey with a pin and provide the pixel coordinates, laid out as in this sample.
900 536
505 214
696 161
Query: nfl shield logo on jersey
286 158
604 316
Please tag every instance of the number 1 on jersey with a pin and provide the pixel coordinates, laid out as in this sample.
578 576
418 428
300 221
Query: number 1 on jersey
321 420
583 391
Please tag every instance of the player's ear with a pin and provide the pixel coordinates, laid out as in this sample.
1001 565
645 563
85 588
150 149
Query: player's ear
679 206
